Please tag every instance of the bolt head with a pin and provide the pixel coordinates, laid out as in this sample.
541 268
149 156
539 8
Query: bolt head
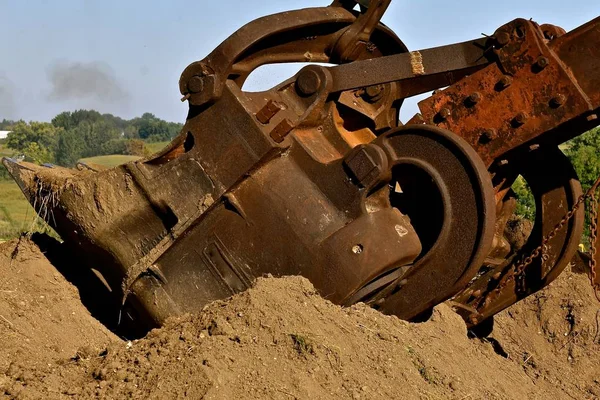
445 113
542 62
196 84
520 118
488 135
474 98
308 82
373 93
505 82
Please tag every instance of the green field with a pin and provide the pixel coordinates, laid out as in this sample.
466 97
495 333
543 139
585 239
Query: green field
155 147
4 152
114 160
16 215
110 161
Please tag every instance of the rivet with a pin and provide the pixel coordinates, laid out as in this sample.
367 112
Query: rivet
503 163
357 249
444 113
534 147
520 119
558 101
591 117
505 82
474 98
497 276
487 136
542 62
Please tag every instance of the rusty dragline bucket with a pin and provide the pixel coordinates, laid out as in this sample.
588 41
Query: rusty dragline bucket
317 176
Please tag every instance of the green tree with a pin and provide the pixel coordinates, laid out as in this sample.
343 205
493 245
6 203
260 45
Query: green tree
6 124
584 153
525 201
38 154
37 140
95 135
70 148
154 129
137 147
70 120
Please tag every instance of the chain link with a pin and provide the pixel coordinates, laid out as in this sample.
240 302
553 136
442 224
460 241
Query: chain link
593 249
519 268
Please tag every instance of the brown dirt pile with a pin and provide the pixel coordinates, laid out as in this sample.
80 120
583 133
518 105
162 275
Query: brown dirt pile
42 319
281 340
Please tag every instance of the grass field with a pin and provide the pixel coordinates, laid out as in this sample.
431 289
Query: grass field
110 161
114 160
4 152
156 146
16 215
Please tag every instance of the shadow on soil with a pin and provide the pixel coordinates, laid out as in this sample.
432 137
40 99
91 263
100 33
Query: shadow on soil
95 294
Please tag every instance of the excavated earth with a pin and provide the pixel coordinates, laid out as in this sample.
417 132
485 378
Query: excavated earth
281 340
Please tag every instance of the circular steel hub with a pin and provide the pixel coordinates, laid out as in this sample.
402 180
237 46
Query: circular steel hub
447 192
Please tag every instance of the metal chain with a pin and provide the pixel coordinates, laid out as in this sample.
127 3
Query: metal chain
593 249
590 194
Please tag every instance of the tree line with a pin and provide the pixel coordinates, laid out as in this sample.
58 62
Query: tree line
71 136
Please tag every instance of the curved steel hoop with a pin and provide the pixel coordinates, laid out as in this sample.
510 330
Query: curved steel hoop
466 233
556 189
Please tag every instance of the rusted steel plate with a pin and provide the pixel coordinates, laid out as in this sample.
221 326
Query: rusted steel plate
528 93
580 52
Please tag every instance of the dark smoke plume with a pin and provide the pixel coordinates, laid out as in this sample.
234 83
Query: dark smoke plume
85 80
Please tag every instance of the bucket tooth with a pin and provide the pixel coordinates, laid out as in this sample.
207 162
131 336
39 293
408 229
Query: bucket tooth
22 173
37 180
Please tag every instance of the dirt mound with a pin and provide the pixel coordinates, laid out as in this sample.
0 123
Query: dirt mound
42 320
555 336
281 340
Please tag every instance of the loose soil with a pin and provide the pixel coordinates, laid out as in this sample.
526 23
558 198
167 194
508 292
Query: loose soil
281 340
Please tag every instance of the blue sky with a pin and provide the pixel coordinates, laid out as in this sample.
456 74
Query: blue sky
142 46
